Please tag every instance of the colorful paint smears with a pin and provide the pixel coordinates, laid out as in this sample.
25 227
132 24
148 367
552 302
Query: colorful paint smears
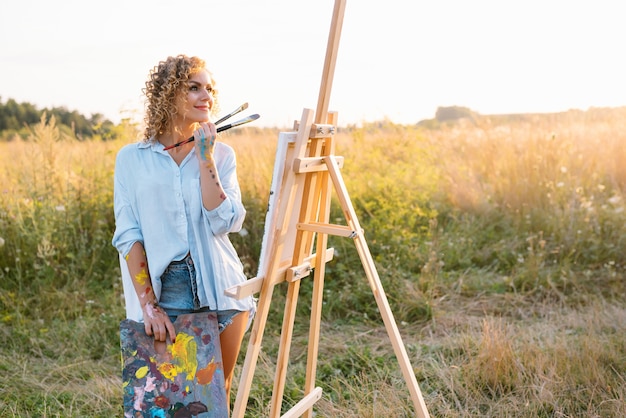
187 380
141 277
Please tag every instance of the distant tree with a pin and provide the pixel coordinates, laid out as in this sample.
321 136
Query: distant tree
81 126
449 113
16 117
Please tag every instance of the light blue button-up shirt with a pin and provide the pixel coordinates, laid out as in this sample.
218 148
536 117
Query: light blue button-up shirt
159 203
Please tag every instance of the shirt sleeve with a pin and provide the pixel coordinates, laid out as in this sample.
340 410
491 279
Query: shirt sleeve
127 230
229 215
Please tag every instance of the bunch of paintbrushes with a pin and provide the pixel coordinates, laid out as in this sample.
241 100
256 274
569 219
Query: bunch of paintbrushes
225 127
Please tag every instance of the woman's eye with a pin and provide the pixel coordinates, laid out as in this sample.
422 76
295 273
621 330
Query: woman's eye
193 88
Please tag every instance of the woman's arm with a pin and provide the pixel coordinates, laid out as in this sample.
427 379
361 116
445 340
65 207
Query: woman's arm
128 239
156 321
213 193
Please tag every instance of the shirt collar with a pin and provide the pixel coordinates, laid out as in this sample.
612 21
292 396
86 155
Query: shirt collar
153 144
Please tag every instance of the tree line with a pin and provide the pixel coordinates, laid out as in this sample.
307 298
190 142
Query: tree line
16 118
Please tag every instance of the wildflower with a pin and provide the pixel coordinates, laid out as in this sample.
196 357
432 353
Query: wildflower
614 200
243 232
60 208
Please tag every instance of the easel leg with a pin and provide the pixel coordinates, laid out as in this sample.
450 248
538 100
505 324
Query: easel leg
318 292
252 354
313 186
286 335
316 318
377 289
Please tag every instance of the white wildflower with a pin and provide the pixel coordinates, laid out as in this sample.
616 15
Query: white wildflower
615 200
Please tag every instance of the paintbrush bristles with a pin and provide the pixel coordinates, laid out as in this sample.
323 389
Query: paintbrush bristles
234 112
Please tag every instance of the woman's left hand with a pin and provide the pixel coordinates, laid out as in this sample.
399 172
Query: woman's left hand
205 137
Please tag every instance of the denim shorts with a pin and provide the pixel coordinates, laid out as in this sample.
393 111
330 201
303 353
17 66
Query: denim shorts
179 293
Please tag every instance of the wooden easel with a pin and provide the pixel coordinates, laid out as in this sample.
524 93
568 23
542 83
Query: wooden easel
304 188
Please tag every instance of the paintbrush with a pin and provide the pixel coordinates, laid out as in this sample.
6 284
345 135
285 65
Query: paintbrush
247 119
234 112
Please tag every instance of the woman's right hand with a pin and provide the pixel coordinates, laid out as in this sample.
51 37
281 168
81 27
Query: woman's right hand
157 322
205 137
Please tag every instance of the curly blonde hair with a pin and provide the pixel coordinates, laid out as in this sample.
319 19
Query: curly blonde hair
165 90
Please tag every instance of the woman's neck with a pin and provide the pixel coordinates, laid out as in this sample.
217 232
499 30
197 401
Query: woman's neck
174 136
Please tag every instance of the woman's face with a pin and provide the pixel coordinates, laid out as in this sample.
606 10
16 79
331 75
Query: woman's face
199 97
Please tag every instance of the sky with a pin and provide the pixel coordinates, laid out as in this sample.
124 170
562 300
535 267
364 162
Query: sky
398 59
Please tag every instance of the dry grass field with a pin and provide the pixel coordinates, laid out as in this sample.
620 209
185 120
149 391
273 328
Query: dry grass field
500 241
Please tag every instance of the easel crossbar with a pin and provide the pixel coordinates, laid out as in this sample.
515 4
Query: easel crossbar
312 164
253 286
305 404
304 269
338 230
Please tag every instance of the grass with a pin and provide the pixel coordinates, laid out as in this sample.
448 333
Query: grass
500 242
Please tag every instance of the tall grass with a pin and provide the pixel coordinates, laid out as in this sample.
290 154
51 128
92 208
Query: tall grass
500 242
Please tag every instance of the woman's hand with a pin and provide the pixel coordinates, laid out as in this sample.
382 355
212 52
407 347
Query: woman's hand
205 137
157 322
213 193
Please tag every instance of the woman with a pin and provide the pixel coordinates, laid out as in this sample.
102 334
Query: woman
174 209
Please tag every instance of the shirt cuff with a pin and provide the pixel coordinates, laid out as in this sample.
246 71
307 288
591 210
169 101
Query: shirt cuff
223 212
